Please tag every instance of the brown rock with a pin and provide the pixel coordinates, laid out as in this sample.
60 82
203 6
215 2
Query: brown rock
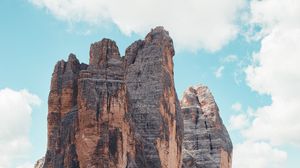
102 52
101 140
122 112
116 112
62 114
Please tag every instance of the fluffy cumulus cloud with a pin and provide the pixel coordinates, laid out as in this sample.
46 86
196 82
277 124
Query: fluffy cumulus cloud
270 14
193 24
275 71
15 118
259 155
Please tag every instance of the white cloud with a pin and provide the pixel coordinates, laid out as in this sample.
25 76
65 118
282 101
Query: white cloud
229 59
241 120
193 24
26 165
277 123
238 122
15 119
219 72
275 68
258 155
268 14
275 71
237 106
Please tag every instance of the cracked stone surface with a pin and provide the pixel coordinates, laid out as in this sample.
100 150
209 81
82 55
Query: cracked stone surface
116 112
206 142
123 112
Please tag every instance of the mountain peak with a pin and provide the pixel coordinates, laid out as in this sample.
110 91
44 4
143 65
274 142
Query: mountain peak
124 112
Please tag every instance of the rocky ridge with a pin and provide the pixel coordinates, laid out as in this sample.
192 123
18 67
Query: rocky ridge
118 112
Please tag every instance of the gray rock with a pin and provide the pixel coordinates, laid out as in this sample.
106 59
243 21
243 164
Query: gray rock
206 141
119 112
116 111
153 105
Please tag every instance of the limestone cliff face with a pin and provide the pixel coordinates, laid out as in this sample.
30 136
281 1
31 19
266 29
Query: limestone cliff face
63 114
154 108
206 141
123 112
116 112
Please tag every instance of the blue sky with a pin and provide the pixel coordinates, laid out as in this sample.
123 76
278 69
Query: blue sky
234 50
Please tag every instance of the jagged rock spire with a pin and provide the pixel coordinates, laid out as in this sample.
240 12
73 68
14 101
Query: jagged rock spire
206 141
119 112
116 112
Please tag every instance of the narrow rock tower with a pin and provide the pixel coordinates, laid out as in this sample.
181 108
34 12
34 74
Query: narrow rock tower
206 141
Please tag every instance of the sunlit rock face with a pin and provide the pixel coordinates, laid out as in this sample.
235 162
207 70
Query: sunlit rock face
39 163
123 112
116 112
206 142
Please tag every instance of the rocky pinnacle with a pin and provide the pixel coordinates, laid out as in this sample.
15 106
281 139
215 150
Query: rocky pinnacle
123 112
116 111
206 141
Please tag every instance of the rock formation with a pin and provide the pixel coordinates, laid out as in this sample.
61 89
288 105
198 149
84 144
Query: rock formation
116 111
39 163
123 112
206 141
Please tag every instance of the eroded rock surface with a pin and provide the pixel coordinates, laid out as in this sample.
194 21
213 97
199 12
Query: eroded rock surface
123 112
116 112
39 163
206 141
154 108
63 114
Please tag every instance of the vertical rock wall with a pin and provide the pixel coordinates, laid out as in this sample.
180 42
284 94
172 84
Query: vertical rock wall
103 131
117 111
153 104
123 112
63 115
206 141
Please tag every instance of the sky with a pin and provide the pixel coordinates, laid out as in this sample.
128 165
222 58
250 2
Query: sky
246 51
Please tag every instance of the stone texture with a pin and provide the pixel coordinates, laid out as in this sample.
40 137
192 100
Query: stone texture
206 142
104 133
117 111
63 114
39 163
154 108
123 112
